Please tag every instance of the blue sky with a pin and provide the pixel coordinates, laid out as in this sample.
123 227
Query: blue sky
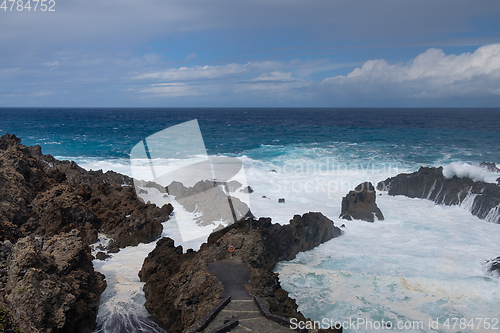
231 53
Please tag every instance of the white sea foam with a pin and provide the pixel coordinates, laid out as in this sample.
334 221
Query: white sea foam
123 297
118 165
463 170
122 303
423 261
307 184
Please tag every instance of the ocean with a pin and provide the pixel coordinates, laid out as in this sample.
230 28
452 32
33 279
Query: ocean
423 264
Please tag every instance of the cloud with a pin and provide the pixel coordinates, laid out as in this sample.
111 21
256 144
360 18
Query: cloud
274 77
431 74
432 78
191 56
172 89
269 77
52 64
194 73
256 71
169 84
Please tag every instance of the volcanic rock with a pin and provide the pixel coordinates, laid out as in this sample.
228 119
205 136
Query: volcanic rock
480 198
50 212
180 289
102 256
21 179
77 175
490 166
247 189
41 195
493 267
360 204
52 285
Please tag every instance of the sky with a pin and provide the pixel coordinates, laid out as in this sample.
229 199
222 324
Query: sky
258 53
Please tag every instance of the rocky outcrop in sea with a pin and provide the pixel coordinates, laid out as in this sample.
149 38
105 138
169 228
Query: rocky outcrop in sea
492 167
493 267
180 290
49 214
360 204
480 198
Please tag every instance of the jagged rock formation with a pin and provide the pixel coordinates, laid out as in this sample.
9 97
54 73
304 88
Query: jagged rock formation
490 166
179 286
360 204
247 189
480 198
50 211
180 290
41 195
51 284
493 267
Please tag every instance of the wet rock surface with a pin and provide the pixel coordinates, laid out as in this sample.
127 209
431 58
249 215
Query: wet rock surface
493 267
50 211
480 198
360 204
490 166
180 290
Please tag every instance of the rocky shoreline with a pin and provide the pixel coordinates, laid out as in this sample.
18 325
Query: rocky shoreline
180 290
49 214
51 211
480 198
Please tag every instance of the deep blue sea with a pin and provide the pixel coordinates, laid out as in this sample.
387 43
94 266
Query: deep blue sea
423 263
414 135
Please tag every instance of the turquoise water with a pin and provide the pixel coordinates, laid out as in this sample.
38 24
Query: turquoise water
409 135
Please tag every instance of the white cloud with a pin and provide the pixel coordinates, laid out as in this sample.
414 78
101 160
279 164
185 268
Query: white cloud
168 84
194 73
256 71
233 78
191 56
431 74
174 89
275 77
52 64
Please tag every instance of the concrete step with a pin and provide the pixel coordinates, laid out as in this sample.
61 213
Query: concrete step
263 325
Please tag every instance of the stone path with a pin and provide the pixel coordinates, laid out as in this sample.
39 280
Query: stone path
234 274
